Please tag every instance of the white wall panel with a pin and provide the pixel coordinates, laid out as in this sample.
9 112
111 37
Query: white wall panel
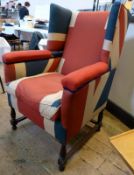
122 92
72 4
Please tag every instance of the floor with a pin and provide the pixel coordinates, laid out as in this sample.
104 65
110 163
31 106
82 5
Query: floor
31 151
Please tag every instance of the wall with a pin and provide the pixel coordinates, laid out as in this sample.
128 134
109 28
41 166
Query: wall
72 4
122 92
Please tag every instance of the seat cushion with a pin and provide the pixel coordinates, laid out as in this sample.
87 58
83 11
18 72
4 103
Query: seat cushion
40 93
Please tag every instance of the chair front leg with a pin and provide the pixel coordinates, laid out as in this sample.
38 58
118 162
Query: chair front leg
62 158
13 119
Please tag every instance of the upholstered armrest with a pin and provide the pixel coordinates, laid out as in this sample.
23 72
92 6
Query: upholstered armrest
23 56
83 96
77 79
28 63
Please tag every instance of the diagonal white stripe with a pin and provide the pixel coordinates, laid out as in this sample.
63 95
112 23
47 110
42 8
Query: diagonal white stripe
56 37
114 55
93 98
46 109
11 87
49 126
107 45
73 19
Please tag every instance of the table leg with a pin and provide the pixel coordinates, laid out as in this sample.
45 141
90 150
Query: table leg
2 86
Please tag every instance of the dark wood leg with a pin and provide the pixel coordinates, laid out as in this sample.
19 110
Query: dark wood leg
2 85
99 122
13 119
65 154
62 158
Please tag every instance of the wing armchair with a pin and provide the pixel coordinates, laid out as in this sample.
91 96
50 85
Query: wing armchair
64 87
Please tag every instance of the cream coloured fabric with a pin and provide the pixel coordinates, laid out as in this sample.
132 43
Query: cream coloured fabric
4 47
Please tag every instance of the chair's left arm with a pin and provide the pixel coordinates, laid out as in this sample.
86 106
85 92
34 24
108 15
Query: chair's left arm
77 90
20 64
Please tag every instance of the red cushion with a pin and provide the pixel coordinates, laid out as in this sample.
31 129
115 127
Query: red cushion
84 41
78 78
30 92
21 56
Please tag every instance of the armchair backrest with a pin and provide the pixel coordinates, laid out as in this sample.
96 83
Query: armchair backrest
95 36
84 40
87 37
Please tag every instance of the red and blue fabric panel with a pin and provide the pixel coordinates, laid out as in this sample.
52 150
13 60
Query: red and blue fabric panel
115 34
28 63
57 32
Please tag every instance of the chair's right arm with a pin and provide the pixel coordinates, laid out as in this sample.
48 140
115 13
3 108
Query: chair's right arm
82 89
20 64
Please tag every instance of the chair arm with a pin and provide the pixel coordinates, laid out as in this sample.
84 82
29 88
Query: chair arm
23 56
29 63
82 96
79 78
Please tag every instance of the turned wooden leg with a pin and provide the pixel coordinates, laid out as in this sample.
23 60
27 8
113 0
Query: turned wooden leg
62 158
13 119
100 117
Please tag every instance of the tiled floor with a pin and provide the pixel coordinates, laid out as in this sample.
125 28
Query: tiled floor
30 151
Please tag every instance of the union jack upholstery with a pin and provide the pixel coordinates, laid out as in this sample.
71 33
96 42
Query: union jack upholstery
64 87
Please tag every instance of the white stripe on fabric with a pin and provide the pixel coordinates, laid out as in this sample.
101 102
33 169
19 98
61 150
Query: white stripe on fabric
73 19
20 70
100 88
93 98
89 105
49 126
60 66
56 37
49 64
14 102
105 28
11 87
107 45
126 21
47 108
114 55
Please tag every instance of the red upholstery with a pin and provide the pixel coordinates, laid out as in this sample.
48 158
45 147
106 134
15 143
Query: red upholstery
21 56
54 45
72 111
84 75
9 71
30 92
84 41
122 30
